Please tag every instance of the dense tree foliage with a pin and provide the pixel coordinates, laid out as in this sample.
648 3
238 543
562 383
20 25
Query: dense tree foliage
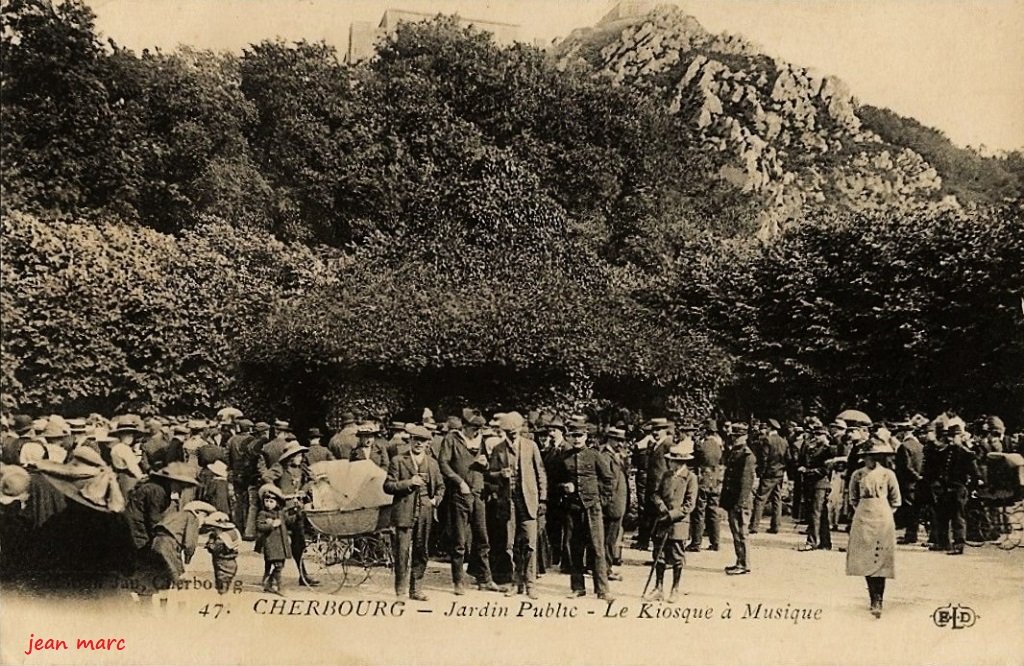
453 221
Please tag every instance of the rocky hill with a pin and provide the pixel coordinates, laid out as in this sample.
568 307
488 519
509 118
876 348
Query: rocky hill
786 134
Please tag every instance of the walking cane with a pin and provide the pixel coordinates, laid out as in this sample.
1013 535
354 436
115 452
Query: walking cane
415 528
654 564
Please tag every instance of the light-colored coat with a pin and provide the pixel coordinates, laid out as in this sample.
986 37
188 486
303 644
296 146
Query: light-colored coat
872 548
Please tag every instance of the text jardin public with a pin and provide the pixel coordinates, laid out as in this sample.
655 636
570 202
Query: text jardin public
529 609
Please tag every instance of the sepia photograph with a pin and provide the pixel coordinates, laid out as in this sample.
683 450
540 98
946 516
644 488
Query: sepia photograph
525 332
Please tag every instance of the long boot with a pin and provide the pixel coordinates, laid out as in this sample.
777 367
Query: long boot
677 575
658 593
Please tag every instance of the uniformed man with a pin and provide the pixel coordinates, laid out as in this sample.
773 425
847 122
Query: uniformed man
583 481
737 490
675 500
661 441
949 472
814 467
771 469
708 458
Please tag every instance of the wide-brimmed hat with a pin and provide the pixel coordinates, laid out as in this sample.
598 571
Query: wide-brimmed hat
55 430
14 486
219 520
314 433
21 423
229 414
87 455
127 423
177 471
576 427
838 423
877 447
557 424
291 450
367 429
219 469
347 417
77 425
659 423
616 434
419 432
197 424
32 452
681 452
197 506
270 489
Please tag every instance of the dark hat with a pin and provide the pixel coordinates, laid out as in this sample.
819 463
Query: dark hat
738 428
21 422
177 471
347 417
557 423
711 425
576 426
315 432
261 427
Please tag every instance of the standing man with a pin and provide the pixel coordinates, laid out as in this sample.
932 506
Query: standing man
814 466
771 469
554 517
370 447
709 488
516 460
415 480
909 470
737 488
583 480
950 471
661 435
675 499
343 441
615 509
463 464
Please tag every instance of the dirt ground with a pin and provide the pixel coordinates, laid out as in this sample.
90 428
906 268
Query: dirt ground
794 608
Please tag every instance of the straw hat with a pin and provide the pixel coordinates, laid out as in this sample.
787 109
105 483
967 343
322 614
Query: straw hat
14 486
177 471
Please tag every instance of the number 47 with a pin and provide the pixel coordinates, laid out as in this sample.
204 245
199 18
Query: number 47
216 610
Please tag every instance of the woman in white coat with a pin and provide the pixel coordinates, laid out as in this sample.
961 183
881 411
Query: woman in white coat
874 494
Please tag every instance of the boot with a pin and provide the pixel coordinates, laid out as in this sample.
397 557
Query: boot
458 589
275 581
658 593
416 592
677 575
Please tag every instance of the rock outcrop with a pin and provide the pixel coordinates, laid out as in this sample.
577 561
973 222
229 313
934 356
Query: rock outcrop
786 134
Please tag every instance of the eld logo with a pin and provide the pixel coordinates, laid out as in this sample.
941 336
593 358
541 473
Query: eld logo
955 617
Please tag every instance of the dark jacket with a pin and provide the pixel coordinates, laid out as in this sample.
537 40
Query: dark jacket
656 467
145 508
618 497
459 464
708 456
950 467
814 458
773 457
589 472
909 462
240 457
377 451
675 499
318 453
738 482
276 542
401 470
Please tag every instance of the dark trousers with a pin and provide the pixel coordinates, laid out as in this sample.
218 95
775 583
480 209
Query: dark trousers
768 492
553 529
706 510
409 546
498 536
819 531
950 511
738 519
648 518
909 513
612 534
585 537
797 500
240 505
469 531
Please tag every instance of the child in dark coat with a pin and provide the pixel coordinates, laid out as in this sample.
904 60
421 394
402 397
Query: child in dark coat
222 543
272 523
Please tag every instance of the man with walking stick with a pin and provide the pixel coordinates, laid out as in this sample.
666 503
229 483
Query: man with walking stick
674 501
415 480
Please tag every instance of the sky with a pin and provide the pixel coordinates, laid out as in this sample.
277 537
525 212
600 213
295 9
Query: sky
957 65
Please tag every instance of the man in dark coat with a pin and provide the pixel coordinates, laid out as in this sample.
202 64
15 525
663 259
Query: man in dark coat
239 463
370 447
771 469
415 480
814 467
260 437
615 508
737 488
708 458
583 480
343 441
661 436
464 465
909 470
949 472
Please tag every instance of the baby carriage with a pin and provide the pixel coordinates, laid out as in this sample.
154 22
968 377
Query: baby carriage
995 511
349 517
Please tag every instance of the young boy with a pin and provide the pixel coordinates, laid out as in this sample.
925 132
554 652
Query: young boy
222 544
674 501
272 523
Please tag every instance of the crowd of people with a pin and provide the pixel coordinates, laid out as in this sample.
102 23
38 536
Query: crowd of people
505 498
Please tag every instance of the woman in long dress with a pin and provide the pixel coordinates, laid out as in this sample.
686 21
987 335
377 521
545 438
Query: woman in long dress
875 495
